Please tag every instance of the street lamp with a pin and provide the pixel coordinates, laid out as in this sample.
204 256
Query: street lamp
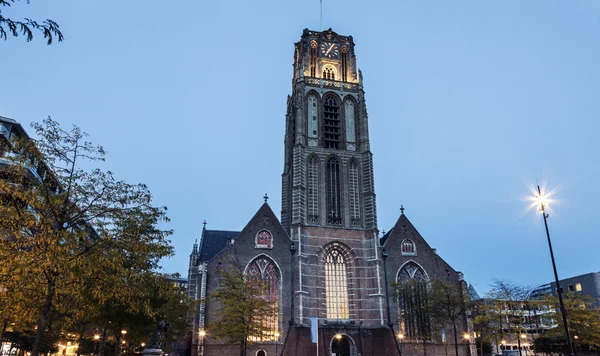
400 337
467 338
542 203
202 334
276 343
96 338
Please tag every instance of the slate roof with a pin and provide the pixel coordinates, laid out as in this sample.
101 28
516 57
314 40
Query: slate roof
213 242
473 293
385 237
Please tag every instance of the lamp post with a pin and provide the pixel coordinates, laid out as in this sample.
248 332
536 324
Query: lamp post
467 338
521 336
400 337
276 343
202 334
542 203
96 338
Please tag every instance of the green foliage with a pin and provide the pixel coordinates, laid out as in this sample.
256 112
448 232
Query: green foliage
74 238
551 345
49 28
583 318
242 308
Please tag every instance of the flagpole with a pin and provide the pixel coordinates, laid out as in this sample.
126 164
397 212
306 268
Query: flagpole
321 25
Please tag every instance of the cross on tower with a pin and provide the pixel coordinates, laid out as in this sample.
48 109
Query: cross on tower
402 209
204 223
266 197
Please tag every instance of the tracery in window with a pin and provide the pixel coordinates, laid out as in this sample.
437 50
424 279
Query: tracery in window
334 209
264 239
329 73
313 59
265 270
344 63
313 189
331 124
408 248
336 285
354 193
413 295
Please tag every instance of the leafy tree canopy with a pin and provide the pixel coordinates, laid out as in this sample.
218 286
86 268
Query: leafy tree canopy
26 27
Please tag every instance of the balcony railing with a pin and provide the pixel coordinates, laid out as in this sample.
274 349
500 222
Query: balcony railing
328 83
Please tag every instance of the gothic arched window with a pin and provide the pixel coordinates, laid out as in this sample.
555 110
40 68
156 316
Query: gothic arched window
313 59
408 248
354 193
313 114
331 124
334 208
350 125
336 285
264 239
329 73
265 270
312 185
344 63
413 296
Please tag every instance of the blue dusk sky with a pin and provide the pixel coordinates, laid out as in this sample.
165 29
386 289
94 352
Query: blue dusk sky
470 102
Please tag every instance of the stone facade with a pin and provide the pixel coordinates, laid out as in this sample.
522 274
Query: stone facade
326 251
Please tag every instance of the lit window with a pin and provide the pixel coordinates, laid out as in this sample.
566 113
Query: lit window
344 63
336 283
412 311
266 271
578 287
328 73
331 125
313 59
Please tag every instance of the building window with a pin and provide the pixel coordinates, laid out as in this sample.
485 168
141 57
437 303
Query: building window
571 288
344 63
263 239
336 285
578 287
354 193
328 73
334 210
313 59
331 124
413 314
265 270
408 248
313 190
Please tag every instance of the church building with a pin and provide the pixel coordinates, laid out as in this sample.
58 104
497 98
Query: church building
325 257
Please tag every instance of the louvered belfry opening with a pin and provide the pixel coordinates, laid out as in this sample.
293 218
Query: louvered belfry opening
332 126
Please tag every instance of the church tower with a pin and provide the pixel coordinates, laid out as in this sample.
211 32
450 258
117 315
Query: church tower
328 205
328 169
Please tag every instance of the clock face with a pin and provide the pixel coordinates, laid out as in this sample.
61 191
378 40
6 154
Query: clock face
329 50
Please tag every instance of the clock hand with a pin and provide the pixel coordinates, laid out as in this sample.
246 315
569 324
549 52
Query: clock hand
329 50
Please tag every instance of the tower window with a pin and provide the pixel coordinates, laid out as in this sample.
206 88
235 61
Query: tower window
336 284
334 211
313 59
353 189
344 63
313 190
329 73
332 126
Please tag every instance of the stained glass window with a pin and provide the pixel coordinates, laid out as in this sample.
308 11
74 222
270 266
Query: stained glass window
266 271
413 294
264 239
408 248
336 283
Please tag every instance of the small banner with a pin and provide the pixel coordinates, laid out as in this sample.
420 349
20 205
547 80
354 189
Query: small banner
314 330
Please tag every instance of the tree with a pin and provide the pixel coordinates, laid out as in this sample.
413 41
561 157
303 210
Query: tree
73 234
583 319
515 299
414 299
243 308
25 27
448 305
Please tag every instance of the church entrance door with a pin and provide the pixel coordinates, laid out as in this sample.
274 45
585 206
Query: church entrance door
342 345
